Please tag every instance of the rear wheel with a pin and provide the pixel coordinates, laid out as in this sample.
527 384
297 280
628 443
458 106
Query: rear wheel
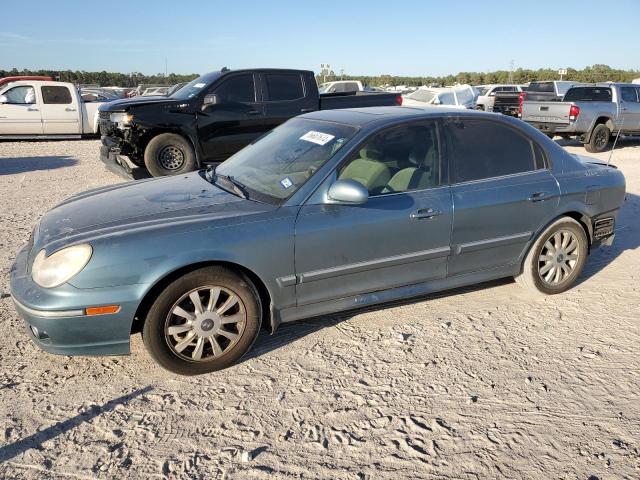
202 322
599 139
556 258
169 154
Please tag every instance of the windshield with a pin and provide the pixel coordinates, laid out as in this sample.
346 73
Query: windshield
482 90
194 87
422 95
280 162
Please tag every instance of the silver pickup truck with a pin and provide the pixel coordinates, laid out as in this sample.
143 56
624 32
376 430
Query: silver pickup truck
591 113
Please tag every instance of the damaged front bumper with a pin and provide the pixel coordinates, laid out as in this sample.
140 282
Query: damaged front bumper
117 163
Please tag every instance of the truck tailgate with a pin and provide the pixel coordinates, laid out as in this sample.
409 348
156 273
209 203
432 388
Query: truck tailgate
546 112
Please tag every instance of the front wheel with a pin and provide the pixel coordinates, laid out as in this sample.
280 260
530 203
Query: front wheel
202 322
169 154
556 258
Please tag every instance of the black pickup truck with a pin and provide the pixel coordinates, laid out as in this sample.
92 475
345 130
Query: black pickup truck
212 117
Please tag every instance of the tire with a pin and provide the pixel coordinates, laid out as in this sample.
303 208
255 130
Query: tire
599 140
196 339
169 154
539 274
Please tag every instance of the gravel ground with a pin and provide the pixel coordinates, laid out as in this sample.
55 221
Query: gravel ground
489 381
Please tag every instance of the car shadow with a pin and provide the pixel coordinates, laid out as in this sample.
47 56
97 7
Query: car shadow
287 333
11 450
15 165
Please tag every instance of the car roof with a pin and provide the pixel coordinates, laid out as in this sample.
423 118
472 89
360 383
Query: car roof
360 117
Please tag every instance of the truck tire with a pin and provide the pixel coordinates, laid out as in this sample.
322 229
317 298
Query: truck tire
169 154
599 140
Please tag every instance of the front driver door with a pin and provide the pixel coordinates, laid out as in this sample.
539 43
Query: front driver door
234 122
400 236
20 114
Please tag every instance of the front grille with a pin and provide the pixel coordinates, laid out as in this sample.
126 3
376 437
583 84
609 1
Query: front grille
603 227
104 115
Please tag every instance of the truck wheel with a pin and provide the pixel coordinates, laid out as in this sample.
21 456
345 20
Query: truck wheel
556 258
169 154
204 321
599 139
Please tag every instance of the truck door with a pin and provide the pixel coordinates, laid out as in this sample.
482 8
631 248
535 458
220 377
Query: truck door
60 111
234 121
286 95
19 113
630 109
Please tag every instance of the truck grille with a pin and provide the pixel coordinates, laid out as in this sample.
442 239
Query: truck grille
106 127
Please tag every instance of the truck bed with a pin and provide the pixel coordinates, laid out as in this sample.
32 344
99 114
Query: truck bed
333 101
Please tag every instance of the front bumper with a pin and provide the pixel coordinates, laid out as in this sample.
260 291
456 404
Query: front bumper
547 127
115 163
56 321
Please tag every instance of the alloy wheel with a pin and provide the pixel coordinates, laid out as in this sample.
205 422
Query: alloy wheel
559 257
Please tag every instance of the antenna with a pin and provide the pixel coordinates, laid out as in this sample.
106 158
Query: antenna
619 128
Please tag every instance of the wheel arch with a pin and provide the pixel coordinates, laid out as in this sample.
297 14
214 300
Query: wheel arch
161 284
600 120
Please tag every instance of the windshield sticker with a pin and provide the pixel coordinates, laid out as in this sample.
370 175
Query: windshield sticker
317 137
199 85
286 182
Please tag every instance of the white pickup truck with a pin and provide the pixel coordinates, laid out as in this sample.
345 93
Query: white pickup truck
40 109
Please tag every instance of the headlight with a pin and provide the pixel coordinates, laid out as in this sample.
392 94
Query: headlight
49 272
121 118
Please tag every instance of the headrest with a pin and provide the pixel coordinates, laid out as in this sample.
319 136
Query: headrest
371 152
418 155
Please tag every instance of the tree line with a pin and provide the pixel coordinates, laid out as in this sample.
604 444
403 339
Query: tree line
594 73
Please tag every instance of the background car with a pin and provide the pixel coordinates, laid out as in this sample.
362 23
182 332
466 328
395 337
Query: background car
461 96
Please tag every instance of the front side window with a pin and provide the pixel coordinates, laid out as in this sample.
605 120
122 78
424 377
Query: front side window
483 149
397 160
22 95
281 86
236 89
56 95
280 162
629 94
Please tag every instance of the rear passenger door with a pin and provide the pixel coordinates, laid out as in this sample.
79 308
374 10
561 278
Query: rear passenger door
286 95
630 108
60 112
502 193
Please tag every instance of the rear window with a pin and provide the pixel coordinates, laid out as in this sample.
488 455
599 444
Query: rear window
541 87
588 94
56 95
283 86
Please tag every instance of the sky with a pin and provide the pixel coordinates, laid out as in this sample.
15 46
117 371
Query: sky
412 38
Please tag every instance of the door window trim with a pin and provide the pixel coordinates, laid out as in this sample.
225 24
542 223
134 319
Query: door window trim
534 143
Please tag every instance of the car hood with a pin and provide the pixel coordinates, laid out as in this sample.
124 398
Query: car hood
126 103
154 203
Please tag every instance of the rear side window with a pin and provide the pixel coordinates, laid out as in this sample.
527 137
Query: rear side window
237 89
629 94
483 149
56 95
283 86
588 94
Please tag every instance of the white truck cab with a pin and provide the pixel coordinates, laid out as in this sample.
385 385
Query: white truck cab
37 109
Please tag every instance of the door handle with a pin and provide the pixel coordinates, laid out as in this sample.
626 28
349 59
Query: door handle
306 110
32 109
254 112
69 109
425 213
538 197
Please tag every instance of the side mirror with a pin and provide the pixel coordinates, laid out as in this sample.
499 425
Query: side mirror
4 99
209 100
347 191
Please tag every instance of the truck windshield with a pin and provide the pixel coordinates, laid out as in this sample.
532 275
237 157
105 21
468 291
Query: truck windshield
276 165
546 87
194 87
588 94
422 95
